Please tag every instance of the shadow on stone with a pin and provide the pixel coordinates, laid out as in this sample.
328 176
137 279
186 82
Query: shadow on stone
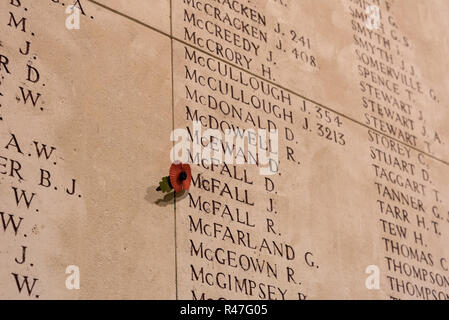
162 200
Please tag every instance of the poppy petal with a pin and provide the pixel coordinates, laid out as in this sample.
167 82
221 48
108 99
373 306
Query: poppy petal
175 171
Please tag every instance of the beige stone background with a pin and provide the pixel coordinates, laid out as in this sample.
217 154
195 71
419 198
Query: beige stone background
111 93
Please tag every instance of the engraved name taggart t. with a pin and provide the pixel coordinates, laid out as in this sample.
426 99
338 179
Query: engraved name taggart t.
224 149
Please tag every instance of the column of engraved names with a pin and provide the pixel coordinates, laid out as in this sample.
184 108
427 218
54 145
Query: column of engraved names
219 96
28 165
236 247
408 197
239 33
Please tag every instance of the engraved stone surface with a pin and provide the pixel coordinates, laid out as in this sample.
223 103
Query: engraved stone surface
350 201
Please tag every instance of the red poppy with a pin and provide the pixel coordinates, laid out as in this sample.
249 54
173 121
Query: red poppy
180 176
